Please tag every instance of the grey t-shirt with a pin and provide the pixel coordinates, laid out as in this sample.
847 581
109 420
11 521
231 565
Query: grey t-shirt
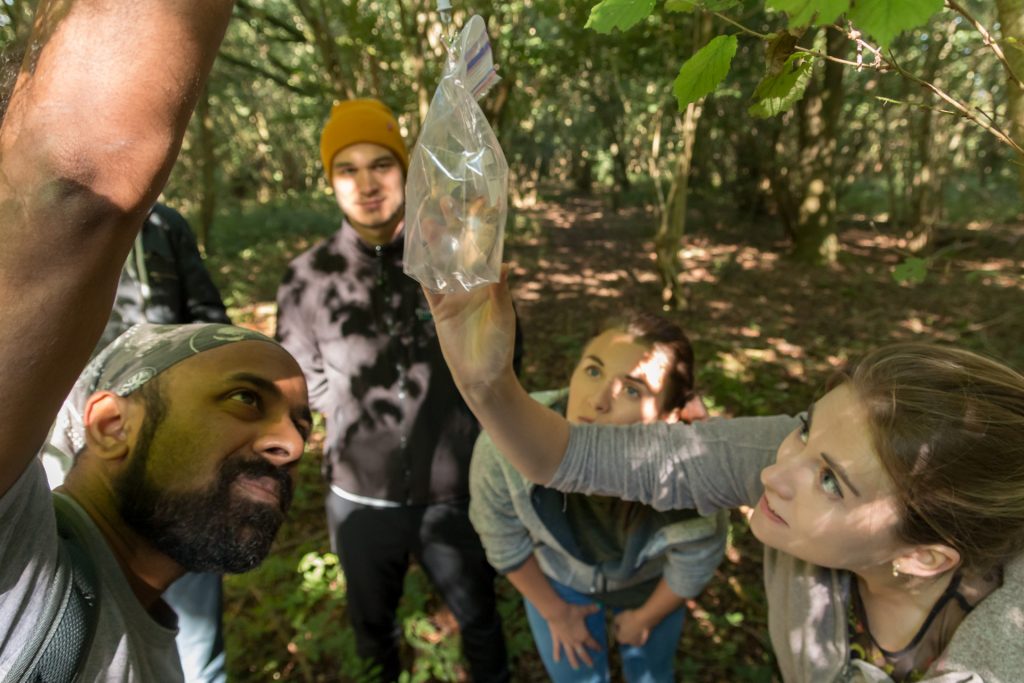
129 644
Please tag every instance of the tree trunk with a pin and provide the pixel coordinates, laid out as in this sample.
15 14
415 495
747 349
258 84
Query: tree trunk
582 173
806 192
1011 19
925 200
673 219
323 38
419 52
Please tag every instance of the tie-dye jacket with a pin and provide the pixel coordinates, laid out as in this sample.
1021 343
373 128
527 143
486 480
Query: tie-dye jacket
398 432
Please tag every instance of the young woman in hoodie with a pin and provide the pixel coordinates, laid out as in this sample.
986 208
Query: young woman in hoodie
578 559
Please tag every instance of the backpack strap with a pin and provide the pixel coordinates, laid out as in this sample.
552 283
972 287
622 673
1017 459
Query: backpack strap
68 625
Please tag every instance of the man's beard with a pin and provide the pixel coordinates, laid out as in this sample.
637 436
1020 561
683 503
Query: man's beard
208 530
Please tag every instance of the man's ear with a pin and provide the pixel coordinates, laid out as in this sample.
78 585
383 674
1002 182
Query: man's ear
106 425
927 561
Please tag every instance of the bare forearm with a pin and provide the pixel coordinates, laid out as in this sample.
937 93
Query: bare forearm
476 330
532 437
530 581
93 127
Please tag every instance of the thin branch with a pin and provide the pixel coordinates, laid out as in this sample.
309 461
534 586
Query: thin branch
741 27
856 36
276 78
883 64
916 105
987 39
296 36
881 67
965 110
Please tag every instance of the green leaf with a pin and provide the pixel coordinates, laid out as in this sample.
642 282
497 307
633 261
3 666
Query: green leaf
701 73
694 5
883 20
807 12
682 5
913 271
777 93
622 14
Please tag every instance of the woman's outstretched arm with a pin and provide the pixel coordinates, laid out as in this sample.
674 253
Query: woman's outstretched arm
477 334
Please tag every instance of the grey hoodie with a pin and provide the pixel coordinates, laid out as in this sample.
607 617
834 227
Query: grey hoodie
516 518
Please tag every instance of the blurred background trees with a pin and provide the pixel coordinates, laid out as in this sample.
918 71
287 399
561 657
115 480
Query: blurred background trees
595 113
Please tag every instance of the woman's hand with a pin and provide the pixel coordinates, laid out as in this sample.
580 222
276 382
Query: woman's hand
477 334
569 633
631 628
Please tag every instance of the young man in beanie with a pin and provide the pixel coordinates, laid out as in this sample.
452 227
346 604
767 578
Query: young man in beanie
399 436
186 434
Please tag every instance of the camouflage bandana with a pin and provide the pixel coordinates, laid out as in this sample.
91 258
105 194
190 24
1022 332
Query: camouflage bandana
127 363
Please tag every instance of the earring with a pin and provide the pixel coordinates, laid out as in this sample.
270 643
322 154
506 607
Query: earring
895 569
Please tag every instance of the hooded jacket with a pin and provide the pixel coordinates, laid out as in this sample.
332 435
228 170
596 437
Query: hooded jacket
516 518
163 280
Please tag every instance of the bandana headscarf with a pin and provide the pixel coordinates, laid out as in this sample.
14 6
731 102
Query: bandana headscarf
125 365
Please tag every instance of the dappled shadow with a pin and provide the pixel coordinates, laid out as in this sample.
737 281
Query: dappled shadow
767 334
768 331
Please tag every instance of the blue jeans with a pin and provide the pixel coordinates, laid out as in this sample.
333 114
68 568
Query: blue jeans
652 663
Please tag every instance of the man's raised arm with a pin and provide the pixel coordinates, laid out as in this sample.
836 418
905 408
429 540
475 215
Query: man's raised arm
93 127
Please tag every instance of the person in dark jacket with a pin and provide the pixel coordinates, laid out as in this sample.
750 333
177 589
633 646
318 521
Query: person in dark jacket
164 280
399 436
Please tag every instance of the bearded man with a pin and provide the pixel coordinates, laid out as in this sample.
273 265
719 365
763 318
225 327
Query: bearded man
187 436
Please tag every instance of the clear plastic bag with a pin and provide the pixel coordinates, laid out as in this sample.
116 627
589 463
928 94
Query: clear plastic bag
456 193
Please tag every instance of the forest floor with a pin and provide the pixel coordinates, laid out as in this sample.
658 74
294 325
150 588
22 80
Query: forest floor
767 334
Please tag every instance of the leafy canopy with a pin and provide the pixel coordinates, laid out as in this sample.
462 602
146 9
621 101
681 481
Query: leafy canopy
701 74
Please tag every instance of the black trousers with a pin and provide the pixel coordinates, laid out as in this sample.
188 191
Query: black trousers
375 546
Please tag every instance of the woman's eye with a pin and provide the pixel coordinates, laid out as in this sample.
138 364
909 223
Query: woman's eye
592 371
830 483
632 392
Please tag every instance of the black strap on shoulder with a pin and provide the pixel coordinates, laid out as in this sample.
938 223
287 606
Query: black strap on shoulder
64 655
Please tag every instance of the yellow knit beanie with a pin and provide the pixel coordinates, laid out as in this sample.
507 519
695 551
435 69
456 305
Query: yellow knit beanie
365 120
